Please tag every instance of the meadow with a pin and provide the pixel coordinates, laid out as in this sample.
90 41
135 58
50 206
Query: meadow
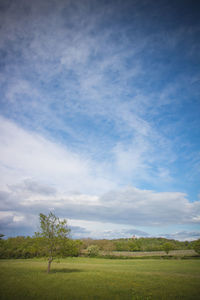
98 278
172 253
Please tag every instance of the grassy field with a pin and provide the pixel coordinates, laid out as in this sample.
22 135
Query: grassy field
95 278
176 253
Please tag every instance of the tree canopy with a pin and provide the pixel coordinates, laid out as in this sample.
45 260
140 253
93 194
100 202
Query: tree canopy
54 233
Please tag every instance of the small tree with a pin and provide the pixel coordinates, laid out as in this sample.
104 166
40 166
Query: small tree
54 233
167 247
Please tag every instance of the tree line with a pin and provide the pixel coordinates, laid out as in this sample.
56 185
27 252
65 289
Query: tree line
30 247
53 240
36 246
137 244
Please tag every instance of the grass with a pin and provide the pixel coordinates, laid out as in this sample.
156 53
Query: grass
177 253
93 278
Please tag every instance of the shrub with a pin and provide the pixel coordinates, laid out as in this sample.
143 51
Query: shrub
93 251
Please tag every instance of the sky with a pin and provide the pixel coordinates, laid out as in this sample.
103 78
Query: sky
100 117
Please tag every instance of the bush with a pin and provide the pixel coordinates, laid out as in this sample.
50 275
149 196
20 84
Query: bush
93 251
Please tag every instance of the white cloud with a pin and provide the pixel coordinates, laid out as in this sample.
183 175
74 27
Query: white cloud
183 235
28 155
43 175
144 207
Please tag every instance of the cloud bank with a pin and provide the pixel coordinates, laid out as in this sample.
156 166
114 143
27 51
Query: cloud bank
24 154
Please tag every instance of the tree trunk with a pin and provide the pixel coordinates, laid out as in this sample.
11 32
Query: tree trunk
49 264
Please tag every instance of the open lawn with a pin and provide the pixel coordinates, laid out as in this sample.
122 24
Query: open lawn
96 278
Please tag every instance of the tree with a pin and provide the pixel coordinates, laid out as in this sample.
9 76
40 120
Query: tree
54 233
1 236
134 245
167 247
197 246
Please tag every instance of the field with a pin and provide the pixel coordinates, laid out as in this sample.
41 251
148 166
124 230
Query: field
97 278
177 253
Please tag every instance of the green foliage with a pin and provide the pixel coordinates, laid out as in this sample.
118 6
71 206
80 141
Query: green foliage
134 245
69 248
196 246
167 247
138 244
105 245
53 232
51 241
51 226
29 247
93 251
121 245
37 246
148 244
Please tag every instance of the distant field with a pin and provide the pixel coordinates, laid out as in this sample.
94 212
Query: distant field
151 253
106 279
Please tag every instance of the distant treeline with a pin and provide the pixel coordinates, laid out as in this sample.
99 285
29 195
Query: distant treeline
137 244
29 247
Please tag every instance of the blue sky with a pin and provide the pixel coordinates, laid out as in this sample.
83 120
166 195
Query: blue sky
99 116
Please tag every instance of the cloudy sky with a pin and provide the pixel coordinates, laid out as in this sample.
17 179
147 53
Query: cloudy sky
100 116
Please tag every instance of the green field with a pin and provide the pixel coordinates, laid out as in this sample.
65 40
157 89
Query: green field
93 278
174 253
